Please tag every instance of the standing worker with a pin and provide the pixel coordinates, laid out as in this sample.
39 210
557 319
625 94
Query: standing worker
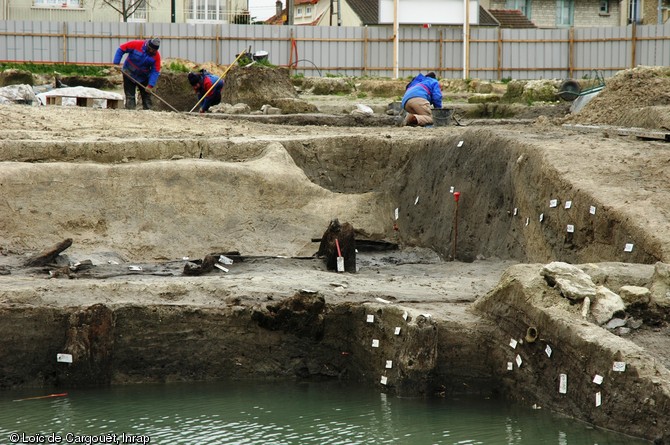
141 69
420 94
202 85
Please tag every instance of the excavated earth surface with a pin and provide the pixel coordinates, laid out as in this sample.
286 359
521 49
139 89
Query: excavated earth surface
144 194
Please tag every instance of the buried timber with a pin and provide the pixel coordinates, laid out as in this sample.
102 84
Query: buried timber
138 210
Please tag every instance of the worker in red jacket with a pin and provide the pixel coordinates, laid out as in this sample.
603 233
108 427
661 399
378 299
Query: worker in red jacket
202 85
141 69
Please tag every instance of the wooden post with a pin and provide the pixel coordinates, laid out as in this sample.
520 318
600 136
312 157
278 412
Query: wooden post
633 45
500 46
571 52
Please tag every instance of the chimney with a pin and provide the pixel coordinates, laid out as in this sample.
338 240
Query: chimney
279 8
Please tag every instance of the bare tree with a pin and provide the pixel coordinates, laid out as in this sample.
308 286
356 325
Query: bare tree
126 8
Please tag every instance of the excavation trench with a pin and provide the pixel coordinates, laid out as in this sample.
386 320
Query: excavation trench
156 204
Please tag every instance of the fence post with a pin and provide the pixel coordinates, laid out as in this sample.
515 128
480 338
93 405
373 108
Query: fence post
500 48
440 59
217 44
571 52
365 50
64 42
633 45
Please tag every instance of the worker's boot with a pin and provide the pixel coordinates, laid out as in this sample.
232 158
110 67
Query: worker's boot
130 103
146 102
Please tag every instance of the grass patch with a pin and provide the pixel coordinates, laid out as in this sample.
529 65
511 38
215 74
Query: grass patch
66 70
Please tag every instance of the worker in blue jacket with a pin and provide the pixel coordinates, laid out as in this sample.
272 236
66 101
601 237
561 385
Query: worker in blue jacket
420 94
202 85
140 70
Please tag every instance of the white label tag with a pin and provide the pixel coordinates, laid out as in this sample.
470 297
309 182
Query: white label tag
597 379
568 204
628 247
396 213
397 330
619 366
599 399
340 264
64 358
383 380
518 361
510 366
513 343
563 384
571 228
389 364
375 343
553 203
370 318
592 210
548 351
416 201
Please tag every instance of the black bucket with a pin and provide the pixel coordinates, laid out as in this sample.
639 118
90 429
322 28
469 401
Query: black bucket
569 90
442 116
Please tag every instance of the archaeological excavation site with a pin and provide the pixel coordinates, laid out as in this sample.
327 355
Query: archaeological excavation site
518 258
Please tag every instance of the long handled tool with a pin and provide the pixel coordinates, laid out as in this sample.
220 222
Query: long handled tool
149 90
340 258
242 53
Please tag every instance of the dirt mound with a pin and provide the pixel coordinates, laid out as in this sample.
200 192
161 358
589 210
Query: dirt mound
257 85
638 97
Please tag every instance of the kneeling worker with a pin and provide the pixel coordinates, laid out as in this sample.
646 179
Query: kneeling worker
421 93
202 85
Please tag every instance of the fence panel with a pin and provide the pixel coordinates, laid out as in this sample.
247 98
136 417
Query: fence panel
354 51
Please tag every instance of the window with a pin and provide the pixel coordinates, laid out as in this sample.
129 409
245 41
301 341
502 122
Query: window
68 4
206 11
565 11
521 5
308 11
298 12
140 14
604 7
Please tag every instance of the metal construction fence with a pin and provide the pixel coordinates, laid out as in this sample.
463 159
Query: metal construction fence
494 53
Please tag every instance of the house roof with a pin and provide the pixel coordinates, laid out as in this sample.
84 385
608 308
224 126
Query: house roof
485 18
305 2
511 18
366 10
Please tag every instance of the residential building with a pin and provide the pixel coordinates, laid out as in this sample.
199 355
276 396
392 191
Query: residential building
154 11
542 13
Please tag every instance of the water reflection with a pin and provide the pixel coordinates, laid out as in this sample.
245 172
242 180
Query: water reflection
287 413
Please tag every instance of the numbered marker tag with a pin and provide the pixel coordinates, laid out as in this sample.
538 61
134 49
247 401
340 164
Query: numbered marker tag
599 399
568 204
510 366
592 210
451 189
513 343
460 144
64 358
619 366
628 247
389 364
548 351
518 361
383 380
370 318
375 343
397 330
340 264
571 228
563 384
597 379
553 203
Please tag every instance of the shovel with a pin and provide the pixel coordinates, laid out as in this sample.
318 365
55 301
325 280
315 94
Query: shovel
340 258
